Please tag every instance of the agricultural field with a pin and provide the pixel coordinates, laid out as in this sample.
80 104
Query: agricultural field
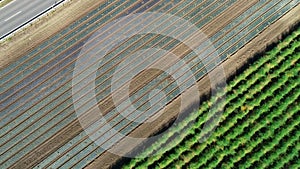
259 127
48 118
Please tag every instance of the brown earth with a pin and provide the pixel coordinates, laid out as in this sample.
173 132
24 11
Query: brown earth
42 29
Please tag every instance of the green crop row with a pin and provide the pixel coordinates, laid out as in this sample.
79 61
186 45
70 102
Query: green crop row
292 155
257 77
236 134
233 133
181 149
255 141
206 105
274 154
284 131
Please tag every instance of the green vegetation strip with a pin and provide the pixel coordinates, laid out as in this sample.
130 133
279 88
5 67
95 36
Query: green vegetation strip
4 2
259 124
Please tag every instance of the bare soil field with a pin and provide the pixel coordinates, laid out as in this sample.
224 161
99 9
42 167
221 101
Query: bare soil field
25 40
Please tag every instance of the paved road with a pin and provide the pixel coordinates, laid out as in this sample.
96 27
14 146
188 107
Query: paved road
18 12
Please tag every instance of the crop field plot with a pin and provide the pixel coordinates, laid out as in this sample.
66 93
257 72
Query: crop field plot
69 101
259 126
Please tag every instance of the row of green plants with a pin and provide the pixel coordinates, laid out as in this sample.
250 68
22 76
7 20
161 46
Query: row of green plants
256 72
204 108
284 131
291 156
237 137
294 82
228 126
258 138
276 152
